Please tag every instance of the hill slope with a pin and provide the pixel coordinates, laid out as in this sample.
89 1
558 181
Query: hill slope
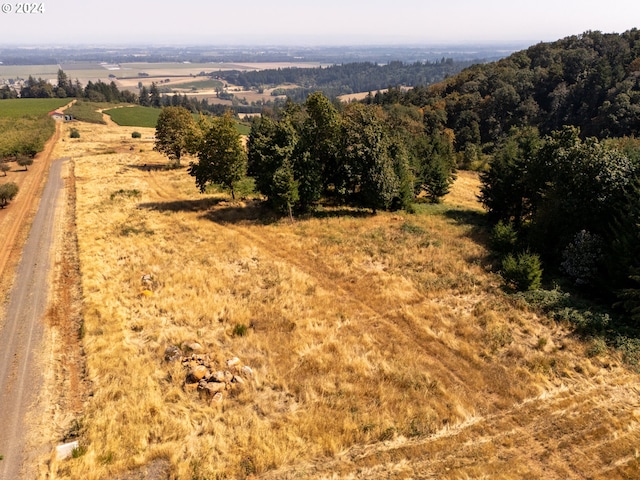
377 346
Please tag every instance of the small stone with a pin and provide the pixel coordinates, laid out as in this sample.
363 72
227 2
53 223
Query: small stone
218 376
195 347
198 372
247 371
228 376
172 353
213 387
217 398
233 361
238 379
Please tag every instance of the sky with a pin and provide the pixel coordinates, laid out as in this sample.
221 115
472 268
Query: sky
301 22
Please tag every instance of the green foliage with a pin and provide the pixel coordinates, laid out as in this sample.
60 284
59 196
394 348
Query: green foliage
137 116
221 155
522 271
175 130
136 135
240 330
24 136
4 168
504 237
74 133
8 191
24 161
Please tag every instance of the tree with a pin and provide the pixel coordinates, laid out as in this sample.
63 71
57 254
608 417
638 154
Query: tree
4 168
24 161
154 96
222 158
174 132
368 168
316 159
8 191
270 146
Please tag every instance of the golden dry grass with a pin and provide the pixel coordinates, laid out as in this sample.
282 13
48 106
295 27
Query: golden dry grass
381 345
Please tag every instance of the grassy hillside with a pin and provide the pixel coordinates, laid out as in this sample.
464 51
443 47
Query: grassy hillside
377 346
135 116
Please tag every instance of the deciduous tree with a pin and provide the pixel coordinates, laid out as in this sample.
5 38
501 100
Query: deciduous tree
174 132
222 158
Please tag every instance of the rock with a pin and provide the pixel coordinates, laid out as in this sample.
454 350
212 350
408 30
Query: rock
218 376
194 347
238 379
172 353
228 376
217 398
233 361
214 387
191 387
198 372
246 371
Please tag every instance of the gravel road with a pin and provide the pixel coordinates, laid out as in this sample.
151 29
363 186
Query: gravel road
21 336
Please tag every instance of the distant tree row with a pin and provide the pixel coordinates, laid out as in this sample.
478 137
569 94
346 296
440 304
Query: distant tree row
346 78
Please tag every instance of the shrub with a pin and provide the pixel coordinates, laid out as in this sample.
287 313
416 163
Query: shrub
8 191
74 133
240 330
4 168
136 135
522 272
504 237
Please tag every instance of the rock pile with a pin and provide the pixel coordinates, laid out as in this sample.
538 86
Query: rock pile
210 381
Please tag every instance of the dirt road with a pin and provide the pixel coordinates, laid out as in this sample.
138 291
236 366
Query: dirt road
21 335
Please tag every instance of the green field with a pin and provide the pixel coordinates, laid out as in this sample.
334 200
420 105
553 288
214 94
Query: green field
26 107
134 116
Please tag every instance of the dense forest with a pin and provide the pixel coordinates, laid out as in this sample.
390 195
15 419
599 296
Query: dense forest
591 81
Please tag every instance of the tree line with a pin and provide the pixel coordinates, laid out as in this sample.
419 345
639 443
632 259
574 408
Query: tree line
346 78
302 154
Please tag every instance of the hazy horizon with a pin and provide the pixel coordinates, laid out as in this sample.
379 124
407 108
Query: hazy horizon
284 22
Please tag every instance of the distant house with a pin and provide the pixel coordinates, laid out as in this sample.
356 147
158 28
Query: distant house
56 115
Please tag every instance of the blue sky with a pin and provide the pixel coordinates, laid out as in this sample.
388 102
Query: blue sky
324 22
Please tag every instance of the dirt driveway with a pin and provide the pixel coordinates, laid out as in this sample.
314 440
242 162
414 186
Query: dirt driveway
21 333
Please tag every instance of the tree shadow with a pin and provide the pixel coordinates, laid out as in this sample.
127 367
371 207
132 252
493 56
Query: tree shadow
182 205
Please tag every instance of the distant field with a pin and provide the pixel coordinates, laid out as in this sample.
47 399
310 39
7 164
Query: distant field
23 107
205 84
134 116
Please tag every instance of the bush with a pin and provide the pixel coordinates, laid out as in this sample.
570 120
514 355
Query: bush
504 237
8 191
136 135
74 133
522 272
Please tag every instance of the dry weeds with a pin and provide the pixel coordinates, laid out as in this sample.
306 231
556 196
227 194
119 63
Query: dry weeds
381 345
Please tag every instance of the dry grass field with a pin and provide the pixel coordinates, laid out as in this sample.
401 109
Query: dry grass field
377 346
